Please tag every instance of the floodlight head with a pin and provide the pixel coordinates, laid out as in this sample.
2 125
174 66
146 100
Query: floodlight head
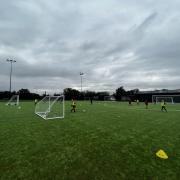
10 60
81 73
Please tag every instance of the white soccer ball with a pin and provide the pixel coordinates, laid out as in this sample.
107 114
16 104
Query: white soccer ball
19 107
84 110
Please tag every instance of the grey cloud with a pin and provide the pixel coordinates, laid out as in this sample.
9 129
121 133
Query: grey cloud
146 22
114 42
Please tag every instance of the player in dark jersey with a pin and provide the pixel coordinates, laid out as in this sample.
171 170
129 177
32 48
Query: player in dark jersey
146 103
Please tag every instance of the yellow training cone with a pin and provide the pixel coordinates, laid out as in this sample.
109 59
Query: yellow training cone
161 154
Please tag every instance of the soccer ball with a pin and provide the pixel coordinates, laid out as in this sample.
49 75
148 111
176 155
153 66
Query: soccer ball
84 110
19 107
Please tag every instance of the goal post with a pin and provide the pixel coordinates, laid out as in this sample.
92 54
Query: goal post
50 107
167 98
13 101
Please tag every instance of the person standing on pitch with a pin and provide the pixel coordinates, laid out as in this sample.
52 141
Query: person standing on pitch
163 106
91 99
146 103
73 105
35 102
137 101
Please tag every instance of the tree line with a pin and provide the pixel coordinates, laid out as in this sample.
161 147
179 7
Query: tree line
120 94
25 94
69 93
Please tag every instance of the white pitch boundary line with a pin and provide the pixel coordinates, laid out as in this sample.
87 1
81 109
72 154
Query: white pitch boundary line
176 110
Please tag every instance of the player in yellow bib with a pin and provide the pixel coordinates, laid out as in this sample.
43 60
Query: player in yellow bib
73 105
163 106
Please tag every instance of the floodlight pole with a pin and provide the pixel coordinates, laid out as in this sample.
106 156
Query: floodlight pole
81 74
10 61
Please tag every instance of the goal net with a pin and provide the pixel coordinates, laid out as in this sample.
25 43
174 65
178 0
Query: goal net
14 101
167 98
50 107
109 98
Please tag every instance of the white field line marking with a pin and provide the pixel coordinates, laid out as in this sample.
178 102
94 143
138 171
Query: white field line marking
176 110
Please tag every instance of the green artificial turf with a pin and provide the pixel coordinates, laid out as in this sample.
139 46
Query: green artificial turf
109 140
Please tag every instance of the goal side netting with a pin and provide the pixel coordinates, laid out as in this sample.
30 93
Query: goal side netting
14 100
50 107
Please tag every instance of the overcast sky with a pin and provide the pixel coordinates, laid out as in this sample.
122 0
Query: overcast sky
135 44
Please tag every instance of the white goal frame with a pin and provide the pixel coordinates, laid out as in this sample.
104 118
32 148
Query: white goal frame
155 97
50 105
13 103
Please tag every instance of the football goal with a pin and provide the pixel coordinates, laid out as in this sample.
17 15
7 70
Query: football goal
14 101
167 98
109 98
50 107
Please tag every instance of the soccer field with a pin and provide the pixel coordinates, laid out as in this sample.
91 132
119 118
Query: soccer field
106 140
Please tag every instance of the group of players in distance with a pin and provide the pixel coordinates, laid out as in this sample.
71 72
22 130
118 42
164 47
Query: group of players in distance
163 104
